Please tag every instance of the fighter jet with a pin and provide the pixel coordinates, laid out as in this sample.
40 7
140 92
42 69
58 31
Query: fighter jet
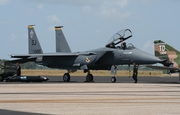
170 55
105 58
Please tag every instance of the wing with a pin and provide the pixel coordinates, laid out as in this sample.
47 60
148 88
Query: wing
21 60
52 55
43 55
34 57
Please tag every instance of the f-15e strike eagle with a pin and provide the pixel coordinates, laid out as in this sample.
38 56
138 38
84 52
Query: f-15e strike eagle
105 58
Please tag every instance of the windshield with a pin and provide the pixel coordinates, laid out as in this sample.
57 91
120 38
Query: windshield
130 46
115 39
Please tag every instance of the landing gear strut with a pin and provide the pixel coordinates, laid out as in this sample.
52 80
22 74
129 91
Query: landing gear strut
89 77
1 78
66 77
113 71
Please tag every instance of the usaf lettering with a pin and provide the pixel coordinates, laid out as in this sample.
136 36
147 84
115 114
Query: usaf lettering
33 42
38 51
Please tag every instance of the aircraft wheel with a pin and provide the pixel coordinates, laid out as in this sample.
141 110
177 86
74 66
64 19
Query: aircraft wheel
113 79
66 77
1 78
89 77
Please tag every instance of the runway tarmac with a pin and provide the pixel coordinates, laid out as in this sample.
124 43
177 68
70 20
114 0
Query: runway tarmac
122 79
151 95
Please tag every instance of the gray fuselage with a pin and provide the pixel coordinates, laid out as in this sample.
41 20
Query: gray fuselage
100 59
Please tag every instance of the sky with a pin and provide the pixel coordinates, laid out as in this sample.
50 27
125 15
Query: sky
88 24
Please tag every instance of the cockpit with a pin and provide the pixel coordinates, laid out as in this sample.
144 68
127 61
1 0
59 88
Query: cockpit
130 46
117 40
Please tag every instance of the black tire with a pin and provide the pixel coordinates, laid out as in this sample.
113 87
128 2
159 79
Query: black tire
1 79
113 79
89 77
7 80
66 77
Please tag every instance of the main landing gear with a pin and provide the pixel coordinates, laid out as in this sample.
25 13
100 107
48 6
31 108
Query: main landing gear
89 77
66 77
179 75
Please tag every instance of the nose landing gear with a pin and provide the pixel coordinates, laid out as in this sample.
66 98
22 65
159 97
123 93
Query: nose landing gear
113 71
113 79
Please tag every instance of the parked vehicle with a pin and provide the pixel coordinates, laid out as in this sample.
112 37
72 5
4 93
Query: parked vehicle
6 69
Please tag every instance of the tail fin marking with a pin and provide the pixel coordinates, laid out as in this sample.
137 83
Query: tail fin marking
34 45
163 49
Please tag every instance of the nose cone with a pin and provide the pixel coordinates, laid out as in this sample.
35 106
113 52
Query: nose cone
142 57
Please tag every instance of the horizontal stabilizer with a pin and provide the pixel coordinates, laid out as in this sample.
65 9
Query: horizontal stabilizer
162 67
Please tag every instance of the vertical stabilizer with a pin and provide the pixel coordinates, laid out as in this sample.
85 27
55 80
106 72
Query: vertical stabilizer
61 43
168 53
164 51
161 49
34 45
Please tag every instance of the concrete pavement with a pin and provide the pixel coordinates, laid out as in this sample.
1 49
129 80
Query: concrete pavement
91 98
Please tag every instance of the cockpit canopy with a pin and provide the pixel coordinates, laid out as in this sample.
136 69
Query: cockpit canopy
115 39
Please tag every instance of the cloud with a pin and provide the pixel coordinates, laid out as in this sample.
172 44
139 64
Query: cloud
110 8
40 6
122 3
82 3
13 37
98 31
114 3
148 45
25 35
107 12
87 9
107 9
50 28
72 2
31 11
102 8
3 2
4 22
53 18
113 14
